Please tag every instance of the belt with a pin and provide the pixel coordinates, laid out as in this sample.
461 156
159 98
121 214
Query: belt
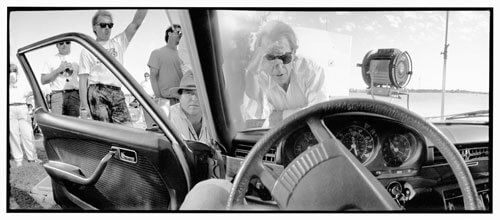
63 91
99 85
16 104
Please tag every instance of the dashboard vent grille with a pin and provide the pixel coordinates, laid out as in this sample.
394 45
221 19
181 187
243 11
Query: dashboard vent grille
242 152
479 152
468 153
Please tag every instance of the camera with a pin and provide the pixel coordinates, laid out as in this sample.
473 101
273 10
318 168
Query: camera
69 70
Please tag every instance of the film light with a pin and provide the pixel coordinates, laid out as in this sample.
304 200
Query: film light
387 68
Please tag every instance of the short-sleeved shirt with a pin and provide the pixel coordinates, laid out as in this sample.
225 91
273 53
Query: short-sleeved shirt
18 93
170 69
63 81
98 72
183 125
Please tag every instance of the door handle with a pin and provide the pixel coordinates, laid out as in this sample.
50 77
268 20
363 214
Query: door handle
71 173
127 155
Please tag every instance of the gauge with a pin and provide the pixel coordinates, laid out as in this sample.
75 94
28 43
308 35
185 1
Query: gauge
297 143
304 140
358 140
396 150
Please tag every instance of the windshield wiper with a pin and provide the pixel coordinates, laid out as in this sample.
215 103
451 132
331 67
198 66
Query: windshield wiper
480 113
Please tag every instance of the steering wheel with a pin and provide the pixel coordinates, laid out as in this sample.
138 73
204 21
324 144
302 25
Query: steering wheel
327 176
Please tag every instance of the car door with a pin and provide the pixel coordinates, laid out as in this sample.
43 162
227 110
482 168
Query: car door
102 166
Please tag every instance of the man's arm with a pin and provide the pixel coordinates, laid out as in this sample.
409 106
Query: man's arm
135 24
252 87
154 81
28 94
49 77
83 91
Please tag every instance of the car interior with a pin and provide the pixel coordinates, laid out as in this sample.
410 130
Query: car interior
346 154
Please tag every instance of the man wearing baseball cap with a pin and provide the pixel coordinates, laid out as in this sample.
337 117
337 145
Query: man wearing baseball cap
186 115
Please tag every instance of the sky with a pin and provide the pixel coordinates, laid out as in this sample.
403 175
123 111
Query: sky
421 33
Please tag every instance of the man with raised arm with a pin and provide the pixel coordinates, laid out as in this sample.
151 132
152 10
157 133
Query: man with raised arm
100 90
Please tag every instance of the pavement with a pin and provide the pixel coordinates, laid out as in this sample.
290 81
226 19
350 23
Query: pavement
42 193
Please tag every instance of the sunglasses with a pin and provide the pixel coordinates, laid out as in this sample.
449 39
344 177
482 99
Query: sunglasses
64 42
178 32
103 25
286 58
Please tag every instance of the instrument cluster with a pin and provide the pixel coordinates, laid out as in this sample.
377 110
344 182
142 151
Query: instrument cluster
381 144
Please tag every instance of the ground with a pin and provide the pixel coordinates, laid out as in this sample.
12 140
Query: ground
23 195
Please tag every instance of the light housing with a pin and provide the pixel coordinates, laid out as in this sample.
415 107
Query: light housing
387 67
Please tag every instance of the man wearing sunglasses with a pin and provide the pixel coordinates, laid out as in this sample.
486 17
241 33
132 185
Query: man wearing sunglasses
278 81
281 80
61 73
100 90
167 69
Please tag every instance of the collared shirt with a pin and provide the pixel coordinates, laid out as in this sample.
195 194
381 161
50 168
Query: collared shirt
306 88
184 127
98 72
62 81
18 93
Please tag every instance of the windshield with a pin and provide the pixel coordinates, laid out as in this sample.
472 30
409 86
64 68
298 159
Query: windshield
280 62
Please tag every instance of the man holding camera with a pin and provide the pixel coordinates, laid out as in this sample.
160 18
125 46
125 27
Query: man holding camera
61 73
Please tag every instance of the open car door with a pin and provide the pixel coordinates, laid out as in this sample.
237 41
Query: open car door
99 165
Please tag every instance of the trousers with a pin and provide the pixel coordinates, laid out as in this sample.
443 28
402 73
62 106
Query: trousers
65 103
21 133
107 103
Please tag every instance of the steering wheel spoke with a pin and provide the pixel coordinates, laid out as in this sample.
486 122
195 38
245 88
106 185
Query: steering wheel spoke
266 176
319 129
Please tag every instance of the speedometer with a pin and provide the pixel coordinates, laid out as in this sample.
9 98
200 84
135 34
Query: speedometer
359 141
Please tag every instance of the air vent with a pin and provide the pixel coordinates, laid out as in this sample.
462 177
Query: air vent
468 153
242 152
479 152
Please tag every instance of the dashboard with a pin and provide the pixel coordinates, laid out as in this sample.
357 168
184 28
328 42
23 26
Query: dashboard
399 156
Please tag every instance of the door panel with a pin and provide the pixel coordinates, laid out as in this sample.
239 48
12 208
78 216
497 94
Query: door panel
123 185
153 173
